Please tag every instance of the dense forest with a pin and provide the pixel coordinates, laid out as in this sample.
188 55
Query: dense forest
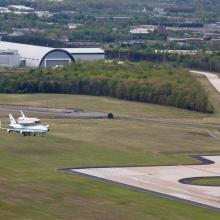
201 61
205 9
144 82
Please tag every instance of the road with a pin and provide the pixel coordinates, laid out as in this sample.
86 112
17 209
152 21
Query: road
213 78
54 112
164 180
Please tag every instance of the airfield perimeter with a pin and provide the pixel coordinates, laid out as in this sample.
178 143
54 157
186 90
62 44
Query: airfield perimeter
32 187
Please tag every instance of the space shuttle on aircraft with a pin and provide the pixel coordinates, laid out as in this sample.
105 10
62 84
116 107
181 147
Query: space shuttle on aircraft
23 120
25 130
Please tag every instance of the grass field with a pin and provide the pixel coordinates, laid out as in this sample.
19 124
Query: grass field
215 181
32 188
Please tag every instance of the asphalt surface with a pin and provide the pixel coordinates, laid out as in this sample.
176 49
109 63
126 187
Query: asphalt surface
164 180
54 112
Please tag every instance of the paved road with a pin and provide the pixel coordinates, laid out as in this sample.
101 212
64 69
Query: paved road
213 78
164 180
58 113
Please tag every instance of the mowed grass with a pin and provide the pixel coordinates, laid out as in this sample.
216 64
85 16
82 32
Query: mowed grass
209 181
101 104
31 187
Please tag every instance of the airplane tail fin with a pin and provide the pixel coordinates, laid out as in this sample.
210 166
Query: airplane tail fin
12 120
22 114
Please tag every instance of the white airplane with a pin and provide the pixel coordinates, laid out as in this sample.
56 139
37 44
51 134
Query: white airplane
27 121
26 130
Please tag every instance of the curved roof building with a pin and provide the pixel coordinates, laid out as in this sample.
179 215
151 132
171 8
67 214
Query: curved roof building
38 56
88 54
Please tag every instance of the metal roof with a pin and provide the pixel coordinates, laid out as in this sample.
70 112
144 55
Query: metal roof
84 50
34 54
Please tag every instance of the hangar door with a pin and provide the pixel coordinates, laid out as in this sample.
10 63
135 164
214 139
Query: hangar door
51 63
56 57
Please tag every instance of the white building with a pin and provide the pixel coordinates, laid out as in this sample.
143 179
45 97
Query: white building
73 25
4 10
143 29
86 54
43 14
9 58
20 8
38 56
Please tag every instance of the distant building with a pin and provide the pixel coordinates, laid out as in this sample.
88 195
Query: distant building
215 43
3 34
82 44
180 52
137 43
43 14
4 10
143 29
38 56
73 25
159 11
27 30
86 54
9 58
20 8
16 34
186 40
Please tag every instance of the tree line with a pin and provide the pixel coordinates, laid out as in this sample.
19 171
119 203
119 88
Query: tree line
202 61
143 82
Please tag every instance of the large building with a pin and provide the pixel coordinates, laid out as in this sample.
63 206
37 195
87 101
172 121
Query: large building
38 56
9 58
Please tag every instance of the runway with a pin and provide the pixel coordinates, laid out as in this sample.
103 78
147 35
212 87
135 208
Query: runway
164 180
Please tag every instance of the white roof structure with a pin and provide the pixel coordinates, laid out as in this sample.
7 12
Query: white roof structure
32 54
21 7
84 50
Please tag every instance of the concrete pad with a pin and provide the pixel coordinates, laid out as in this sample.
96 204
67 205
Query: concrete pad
164 180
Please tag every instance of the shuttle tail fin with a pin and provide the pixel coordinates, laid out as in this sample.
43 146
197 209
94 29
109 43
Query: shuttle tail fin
22 114
12 120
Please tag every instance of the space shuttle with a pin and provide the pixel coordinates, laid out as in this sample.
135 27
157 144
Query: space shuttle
23 120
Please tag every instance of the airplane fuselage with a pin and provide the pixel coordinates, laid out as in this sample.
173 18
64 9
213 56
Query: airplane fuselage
37 129
26 129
